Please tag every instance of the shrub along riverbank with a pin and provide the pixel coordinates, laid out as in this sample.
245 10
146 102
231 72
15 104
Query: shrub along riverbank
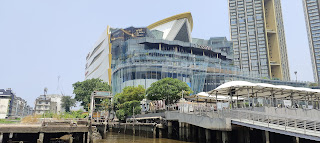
79 114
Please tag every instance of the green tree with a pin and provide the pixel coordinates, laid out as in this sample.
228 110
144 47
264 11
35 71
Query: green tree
128 99
67 103
169 89
83 90
106 104
127 109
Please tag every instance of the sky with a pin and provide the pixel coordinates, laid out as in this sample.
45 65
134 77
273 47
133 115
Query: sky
43 40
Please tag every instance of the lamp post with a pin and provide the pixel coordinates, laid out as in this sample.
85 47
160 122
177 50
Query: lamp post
295 72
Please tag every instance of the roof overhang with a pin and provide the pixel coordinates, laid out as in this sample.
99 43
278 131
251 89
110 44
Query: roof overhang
175 17
243 88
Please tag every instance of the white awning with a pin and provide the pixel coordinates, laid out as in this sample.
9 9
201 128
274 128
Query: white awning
245 89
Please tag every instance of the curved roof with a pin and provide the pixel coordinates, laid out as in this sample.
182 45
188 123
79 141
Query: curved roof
175 17
244 88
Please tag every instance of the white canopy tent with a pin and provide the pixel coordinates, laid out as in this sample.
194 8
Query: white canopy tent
262 90
241 88
205 97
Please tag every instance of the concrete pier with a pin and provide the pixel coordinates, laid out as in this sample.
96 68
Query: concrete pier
200 135
208 135
169 129
296 140
246 135
181 131
218 136
192 132
187 131
265 136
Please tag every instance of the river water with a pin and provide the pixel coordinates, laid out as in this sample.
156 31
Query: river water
113 137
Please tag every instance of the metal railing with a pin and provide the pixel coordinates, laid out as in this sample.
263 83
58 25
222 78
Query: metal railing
298 124
308 126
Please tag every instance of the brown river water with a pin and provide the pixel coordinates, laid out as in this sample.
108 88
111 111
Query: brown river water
113 137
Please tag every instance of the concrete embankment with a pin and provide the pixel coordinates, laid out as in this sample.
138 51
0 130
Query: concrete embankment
43 133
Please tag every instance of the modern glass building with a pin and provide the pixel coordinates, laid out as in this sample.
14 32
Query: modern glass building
312 16
256 28
142 55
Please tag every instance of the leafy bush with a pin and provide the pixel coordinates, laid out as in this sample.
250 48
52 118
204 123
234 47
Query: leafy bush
127 100
65 115
169 89
5 121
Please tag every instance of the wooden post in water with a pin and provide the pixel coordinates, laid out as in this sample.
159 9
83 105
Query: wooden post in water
169 129
218 136
105 127
84 138
208 135
295 140
181 131
199 135
1 137
133 130
246 133
88 137
160 133
266 137
225 138
154 132
41 137
240 136
139 129
71 139
187 129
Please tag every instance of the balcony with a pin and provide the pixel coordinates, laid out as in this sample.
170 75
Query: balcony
273 63
271 31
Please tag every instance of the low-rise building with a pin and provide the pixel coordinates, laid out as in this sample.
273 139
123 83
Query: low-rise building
48 103
12 105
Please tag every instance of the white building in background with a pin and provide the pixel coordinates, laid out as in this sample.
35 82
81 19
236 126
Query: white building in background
5 97
48 103
58 100
98 58
13 106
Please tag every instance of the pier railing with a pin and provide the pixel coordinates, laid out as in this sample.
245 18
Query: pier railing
280 122
295 124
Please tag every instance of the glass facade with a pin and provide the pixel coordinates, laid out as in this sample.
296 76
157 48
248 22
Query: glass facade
142 61
202 64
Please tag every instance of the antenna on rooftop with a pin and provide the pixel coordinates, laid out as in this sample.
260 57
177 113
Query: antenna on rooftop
58 88
45 90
